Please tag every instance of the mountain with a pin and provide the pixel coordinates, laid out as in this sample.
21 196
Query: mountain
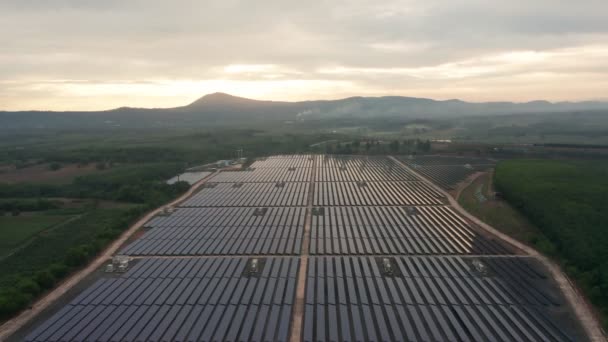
224 109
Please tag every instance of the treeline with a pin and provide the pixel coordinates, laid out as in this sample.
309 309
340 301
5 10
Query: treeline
154 147
379 147
568 201
27 204
138 184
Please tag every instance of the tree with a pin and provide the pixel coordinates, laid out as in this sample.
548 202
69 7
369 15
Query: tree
54 166
394 146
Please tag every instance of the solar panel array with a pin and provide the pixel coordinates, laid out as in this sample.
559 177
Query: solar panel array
396 230
265 175
389 261
427 299
182 300
223 231
285 161
447 171
249 195
375 194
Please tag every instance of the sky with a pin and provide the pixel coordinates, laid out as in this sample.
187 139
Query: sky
92 54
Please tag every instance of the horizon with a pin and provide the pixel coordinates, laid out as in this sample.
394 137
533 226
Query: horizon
305 100
90 55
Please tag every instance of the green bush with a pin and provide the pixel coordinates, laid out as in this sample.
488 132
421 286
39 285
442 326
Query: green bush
58 270
27 285
45 279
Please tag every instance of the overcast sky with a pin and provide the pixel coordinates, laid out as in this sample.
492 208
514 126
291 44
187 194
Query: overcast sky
101 54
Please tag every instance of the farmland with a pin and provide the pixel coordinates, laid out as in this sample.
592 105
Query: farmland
376 254
18 229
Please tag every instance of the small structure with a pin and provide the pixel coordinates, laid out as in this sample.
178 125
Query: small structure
109 268
480 266
387 267
223 163
121 263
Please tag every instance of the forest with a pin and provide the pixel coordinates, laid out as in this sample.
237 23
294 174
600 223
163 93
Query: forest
567 201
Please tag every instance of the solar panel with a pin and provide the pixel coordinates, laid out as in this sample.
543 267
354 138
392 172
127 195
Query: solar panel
214 310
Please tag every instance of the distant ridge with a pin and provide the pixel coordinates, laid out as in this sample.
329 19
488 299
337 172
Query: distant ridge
223 100
222 108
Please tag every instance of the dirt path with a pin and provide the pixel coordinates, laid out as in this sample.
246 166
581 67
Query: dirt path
465 184
14 324
577 302
298 309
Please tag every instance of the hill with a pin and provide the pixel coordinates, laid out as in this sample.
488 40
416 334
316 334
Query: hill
224 109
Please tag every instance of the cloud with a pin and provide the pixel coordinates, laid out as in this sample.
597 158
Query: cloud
357 47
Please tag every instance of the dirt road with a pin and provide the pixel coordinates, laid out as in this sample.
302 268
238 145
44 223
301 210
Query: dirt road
14 324
583 311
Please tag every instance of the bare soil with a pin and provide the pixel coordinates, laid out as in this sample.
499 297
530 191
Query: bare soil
42 174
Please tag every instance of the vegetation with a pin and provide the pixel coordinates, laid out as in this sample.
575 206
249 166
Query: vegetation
17 229
567 201
478 199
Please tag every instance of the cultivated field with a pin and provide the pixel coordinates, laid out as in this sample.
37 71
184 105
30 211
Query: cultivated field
15 230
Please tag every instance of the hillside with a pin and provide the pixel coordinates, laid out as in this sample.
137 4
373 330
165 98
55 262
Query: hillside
224 109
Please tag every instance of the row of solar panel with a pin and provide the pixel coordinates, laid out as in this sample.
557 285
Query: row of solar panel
265 175
248 246
355 162
370 304
396 230
157 323
285 161
429 323
249 195
426 267
446 160
231 217
494 286
210 268
334 230
370 174
325 174
346 299
318 245
375 194
447 176
150 303
404 246
326 194
210 232
421 221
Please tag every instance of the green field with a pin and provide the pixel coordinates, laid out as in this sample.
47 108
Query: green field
500 215
15 230
568 202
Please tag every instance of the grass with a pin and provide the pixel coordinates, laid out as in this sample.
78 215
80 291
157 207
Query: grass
51 246
498 213
15 230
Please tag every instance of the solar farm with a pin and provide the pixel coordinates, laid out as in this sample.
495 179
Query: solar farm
447 171
316 248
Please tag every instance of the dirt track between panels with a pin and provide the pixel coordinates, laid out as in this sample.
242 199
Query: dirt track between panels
11 326
576 301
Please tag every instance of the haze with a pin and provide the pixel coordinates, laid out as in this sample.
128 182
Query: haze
86 55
